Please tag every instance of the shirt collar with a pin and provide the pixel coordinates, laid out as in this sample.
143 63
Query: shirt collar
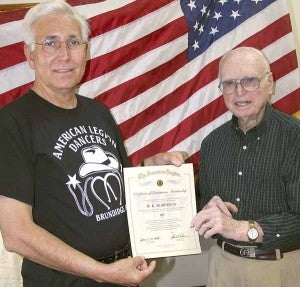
260 127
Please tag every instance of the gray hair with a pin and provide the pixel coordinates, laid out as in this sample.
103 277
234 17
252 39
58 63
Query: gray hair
49 8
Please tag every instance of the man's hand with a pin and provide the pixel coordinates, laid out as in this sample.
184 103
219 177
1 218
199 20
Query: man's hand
175 157
226 207
216 218
129 271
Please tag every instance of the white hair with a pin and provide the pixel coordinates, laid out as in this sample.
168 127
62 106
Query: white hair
49 8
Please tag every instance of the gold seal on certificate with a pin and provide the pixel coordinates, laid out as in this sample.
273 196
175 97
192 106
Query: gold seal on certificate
160 204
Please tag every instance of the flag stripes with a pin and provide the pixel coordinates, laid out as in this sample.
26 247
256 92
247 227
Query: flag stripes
138 66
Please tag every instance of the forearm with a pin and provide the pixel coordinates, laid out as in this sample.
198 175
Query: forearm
42 247
21 235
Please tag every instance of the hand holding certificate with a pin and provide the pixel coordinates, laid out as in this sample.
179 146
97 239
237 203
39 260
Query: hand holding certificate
160 206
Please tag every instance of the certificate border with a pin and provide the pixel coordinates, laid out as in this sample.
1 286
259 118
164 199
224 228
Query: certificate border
196 249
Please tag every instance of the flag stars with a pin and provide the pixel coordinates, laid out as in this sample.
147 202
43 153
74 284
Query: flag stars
196 26
223 2
213 31
196 45
217 15
201 29
192 5
203 10
235 14
256 1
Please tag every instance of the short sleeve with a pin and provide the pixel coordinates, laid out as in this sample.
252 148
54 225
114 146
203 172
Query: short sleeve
16 167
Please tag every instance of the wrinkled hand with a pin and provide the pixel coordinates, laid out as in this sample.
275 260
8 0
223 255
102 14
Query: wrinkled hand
226 207
216 218
175 157
129 271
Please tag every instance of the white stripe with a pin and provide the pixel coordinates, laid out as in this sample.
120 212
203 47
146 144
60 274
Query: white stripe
204 96
91 10
168 121
192 144
285 45
134 106
286 85
15 76
104 44
133 69
135 30
10 32
110 80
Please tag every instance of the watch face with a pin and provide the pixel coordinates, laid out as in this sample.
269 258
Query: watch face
253 233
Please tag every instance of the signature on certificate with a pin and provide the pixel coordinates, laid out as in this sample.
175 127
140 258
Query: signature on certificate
178 235
147 239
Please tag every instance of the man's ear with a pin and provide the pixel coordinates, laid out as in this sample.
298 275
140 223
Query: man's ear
271 84
29 55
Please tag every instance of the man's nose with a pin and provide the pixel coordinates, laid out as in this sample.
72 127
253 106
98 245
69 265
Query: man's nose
240 90
64 49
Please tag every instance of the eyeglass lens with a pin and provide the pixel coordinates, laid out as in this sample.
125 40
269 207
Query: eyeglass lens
250 84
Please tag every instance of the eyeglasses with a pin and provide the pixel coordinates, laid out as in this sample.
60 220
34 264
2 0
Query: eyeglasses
53 46
248 83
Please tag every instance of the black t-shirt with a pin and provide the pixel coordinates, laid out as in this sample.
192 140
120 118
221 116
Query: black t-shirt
67 164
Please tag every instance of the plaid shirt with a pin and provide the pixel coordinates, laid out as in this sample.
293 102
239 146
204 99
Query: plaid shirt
259 172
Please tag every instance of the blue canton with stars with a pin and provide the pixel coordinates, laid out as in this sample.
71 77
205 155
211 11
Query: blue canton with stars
209 20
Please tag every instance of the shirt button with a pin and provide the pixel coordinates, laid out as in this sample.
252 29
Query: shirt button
238 199
244 147
277 235
258 138
240 173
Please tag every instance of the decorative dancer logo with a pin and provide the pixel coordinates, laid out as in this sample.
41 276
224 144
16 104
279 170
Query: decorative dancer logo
105 164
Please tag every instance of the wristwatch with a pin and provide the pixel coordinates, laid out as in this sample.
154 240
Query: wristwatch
252 231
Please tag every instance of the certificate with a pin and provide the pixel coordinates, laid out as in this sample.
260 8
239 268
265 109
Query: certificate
160 204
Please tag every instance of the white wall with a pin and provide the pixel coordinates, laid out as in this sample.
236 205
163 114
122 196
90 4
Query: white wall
294 6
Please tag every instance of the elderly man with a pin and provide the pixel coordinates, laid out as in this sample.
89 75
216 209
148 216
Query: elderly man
62 197
250 182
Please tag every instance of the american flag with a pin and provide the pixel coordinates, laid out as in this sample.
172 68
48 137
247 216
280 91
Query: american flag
154 64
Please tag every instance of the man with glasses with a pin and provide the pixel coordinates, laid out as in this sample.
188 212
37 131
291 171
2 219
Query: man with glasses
61 190
249 182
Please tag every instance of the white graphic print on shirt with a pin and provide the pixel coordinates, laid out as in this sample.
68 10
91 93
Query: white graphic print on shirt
98 176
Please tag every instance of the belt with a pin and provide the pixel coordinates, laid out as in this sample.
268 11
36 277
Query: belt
116 255
251 252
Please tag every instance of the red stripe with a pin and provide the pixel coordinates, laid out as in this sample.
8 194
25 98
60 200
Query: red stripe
132 88
113 19
169 102
111 61
18 14
11 55
274 31
184 129
280 67
284 65
10 16
13 94
194 159
290 104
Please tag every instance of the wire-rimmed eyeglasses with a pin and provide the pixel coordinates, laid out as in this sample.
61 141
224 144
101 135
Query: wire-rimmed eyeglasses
249 83
53 46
